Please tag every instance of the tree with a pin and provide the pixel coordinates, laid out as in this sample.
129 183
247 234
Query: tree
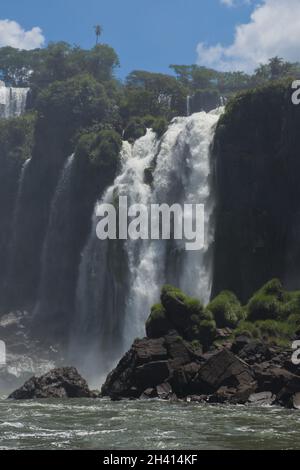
98 32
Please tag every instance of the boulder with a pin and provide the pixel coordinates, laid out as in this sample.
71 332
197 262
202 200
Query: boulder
150 350
148 394
296 401
58 383
224 369
239 343
179 353
262 398
255 352
157 324
164 391
233 395
182 379
150 374
275 379
144 366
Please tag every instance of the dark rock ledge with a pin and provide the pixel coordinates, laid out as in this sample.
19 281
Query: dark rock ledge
58 383
167 368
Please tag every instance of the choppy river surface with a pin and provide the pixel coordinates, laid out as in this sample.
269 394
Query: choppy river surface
101 424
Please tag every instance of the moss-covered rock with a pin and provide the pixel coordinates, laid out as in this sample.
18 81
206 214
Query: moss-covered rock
267 303
207 333
188 316
157 324
179 307
226 309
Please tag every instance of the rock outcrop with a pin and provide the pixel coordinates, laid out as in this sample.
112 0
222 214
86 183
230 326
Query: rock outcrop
186 356
58 383
167 368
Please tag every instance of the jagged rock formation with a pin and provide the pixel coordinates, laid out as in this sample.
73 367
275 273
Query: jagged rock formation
58 383
234 368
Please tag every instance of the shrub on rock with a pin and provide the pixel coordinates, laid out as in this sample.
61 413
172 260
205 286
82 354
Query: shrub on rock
157 324
188 316
226 309
267 303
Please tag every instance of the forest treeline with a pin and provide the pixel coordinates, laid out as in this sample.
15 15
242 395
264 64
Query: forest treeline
77 90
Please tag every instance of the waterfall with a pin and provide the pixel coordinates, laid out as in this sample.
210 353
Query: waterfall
104 273
56 245
182 175
12 101
15 222
188 105
120 280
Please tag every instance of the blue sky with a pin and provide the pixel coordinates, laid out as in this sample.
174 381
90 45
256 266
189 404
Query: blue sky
151 34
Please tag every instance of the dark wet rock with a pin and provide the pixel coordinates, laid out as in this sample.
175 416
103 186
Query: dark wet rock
150 350
255 352
233 395
58 383
296 401
179 353
144 366
275 379
182 379
150 374
262 398
164 391
148 394
239 343
224 368
171 367
196 399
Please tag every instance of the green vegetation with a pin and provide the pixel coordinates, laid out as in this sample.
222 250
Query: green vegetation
188 316
267 303
101 149
74 89
275 320
226 309
17 138
157 324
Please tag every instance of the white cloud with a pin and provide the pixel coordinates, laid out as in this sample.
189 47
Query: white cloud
273 29
235 3
12 34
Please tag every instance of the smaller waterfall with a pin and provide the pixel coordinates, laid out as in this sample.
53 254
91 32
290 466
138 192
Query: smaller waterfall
188 105
12 101
15 221
55 249
102 288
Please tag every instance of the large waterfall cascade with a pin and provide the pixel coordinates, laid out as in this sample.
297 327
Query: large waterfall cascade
12 101
108 303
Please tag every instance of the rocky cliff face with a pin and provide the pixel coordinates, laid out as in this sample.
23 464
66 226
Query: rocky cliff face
257 163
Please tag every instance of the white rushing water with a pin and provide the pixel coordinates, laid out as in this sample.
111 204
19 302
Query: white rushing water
12 101
57 240
113 302
182 175
15 222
